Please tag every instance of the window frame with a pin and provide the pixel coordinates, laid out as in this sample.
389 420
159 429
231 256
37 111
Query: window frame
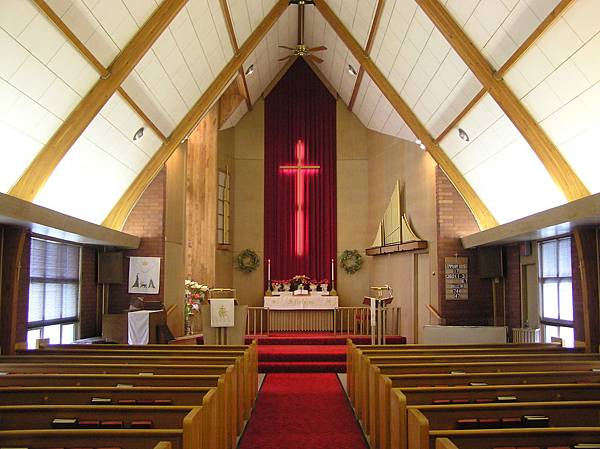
548 321
224 232
63 321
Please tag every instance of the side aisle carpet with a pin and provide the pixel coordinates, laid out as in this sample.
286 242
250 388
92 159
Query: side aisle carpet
302 411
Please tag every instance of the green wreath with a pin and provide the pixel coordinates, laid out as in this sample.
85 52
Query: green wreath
248 261
351 261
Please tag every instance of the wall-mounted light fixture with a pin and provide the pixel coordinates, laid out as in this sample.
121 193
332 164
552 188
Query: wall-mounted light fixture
463 134
139 134
352 71
249 70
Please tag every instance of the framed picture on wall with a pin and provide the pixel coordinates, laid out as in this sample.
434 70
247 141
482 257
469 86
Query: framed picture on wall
144 275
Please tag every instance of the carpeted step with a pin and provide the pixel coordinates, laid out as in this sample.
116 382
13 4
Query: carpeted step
301 353
277 339
302 367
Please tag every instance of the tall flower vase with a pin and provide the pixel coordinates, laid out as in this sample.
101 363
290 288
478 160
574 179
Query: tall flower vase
188 323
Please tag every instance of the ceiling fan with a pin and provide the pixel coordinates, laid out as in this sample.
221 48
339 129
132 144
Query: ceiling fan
301 49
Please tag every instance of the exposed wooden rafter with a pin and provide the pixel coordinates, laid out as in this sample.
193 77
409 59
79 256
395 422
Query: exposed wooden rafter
460 116
481 213
236 49
40 169
368 47
558 168
117 216
230 100
87 54
534 36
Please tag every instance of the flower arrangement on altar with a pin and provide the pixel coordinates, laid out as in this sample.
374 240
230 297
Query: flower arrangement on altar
299 282
195 294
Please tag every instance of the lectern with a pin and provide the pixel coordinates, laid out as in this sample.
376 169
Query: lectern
378 305
234 331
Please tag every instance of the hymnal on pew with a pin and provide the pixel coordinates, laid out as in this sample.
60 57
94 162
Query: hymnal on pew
506 399
124 386
64 423
100 401
587 446
536 421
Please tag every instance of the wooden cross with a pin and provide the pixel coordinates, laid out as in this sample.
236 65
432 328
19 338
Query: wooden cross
300 170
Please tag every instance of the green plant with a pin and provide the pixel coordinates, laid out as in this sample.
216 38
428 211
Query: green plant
248 261
351 261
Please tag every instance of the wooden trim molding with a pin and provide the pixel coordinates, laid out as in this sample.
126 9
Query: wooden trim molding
40 169
484 217
368 47
557 166
117 216
236 49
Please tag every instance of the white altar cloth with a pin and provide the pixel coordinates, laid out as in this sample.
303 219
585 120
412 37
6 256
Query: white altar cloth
309 302
138 326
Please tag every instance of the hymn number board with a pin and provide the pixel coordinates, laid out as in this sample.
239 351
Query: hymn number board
456 275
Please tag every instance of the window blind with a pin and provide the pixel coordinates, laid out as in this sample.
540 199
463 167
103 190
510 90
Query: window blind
54 282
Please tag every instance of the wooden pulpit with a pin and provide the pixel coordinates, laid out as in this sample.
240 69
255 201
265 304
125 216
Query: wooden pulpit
378 306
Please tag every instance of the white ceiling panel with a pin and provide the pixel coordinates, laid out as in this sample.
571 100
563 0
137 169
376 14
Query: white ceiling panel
246 16
336 58
498 28
558 82
376 112
182 63
42 79
265 57
356 15
102 163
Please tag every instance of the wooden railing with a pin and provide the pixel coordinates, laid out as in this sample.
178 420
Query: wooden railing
257 322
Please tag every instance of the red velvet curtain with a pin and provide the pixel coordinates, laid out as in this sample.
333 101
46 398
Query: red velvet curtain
300 108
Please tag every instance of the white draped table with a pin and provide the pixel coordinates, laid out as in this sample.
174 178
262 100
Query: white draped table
306 313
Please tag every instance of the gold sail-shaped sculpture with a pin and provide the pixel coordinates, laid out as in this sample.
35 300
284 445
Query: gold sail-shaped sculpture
394 229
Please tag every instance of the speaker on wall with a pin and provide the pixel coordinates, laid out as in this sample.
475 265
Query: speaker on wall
489 260
110 268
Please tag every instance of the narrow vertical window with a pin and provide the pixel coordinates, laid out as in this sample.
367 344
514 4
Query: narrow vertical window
223 207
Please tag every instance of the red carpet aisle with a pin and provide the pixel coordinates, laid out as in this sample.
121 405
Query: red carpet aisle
302 411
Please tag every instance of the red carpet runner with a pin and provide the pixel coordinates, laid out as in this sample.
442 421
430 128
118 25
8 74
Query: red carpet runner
302 411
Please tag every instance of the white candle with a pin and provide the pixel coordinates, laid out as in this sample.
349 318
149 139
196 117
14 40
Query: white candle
332 270
269 269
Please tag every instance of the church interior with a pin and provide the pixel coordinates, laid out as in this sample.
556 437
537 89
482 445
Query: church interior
299 224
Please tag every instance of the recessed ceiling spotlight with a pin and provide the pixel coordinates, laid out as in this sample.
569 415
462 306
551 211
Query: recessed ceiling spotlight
249 70
139 134
418 141
352 71
421 146
463 134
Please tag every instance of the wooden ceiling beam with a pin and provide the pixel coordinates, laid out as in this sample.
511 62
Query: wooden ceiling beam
534 36
557 166
230 100
460 116
87 54
236 49
368 47
40 169
484 217
117 216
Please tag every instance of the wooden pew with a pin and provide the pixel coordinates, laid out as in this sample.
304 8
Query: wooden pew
99 438
203 426
368 399
394 435
353 351
423 419
516 438
41 417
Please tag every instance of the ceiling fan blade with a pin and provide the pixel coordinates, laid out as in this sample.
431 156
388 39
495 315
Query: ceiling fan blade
287 57
315 58
287 48
319 48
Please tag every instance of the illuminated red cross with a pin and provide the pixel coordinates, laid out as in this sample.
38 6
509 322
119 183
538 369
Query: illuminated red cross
300 170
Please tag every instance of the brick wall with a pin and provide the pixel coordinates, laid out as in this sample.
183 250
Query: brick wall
455 220
89 292
146 220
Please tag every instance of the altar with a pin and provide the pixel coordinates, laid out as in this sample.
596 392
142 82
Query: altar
314 312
